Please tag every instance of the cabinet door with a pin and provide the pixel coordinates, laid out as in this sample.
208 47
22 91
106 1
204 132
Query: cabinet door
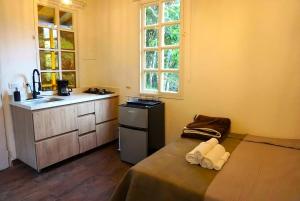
87 142
85 108
106 109
54 121
106 132
86 124
57 149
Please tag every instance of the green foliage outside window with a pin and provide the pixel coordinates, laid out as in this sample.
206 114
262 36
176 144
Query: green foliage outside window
151 38
170 82
171 59
151 81
172 35
172 11
166 58
151 15
151 59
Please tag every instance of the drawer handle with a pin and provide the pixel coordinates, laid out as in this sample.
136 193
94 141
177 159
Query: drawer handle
131 111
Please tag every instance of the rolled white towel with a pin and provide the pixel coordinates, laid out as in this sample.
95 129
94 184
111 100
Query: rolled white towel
206 163
213 157
191 157
222 161
197 154
205 147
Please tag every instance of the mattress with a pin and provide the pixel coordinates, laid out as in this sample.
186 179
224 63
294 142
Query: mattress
258 169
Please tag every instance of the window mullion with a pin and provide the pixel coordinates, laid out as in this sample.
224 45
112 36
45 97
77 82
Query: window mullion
170 23
170 47
59 43
160 44
49 49
151 26
142 53
150 49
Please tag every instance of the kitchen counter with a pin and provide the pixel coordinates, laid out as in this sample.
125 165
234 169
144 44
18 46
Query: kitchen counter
76 97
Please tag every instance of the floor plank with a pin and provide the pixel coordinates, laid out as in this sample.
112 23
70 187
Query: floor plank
89 177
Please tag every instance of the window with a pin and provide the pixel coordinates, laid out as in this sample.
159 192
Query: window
161 47
57 51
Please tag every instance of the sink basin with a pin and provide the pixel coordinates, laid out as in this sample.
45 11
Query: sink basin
41 100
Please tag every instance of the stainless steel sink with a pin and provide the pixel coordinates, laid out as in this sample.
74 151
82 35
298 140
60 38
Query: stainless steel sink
41 100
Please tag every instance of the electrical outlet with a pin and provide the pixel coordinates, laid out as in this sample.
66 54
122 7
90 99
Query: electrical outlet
13 85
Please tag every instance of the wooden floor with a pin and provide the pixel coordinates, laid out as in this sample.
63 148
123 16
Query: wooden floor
92 176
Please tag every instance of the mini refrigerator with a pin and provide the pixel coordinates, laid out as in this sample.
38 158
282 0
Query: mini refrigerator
142 129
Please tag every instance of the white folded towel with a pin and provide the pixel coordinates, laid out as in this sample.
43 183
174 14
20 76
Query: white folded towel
222 161
191 156
196 155
205 148
213 156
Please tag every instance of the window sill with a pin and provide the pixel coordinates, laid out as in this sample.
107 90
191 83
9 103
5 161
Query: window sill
162 95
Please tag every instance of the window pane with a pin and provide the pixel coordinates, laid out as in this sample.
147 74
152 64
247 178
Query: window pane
171 11
171 59
46 16
151 37
71 77
151 81
47 38
170 82
48 60
151 14
67 40
172 34
49 81
68 60
66 20
151 59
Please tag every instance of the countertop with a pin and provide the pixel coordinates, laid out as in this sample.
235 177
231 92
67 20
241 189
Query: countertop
76 97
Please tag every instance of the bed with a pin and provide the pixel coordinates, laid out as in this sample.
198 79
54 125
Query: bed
258 169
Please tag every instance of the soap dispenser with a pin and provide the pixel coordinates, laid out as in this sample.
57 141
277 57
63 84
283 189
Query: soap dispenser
17 95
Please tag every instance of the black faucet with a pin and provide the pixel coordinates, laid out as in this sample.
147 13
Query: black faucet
34 91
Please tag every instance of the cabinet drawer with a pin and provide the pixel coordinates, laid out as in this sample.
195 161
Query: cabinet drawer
106 132
57 149
135 117
106 109
87 142
85 108
86 124
54 121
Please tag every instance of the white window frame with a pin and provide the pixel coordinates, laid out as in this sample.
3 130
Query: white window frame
59 50
160 48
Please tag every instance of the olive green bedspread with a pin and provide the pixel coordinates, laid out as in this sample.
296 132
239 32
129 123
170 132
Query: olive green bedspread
259 169
166 176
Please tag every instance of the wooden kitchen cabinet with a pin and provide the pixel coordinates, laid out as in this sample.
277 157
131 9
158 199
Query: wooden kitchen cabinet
106 132
85 108
86 124
106 109
87 142
24 136
56 149
54 121
46 136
